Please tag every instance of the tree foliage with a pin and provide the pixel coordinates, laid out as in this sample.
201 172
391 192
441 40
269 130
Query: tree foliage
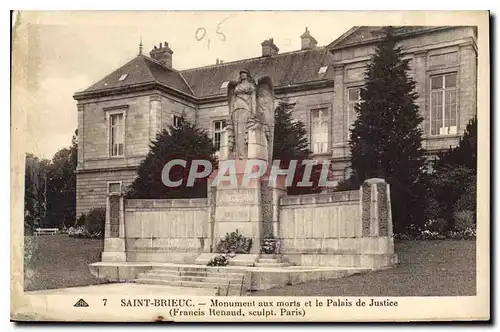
465 153
386 139
290 136
35 207
453 183
50 189
61 186
291 143
187 142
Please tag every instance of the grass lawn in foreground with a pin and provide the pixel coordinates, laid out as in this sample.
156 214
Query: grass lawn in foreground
427 268
62 261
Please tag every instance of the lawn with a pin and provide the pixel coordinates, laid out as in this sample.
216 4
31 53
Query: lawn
61 261
427 268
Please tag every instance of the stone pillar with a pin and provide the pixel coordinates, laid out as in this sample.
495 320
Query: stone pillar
224 146
238 205
212 198
114 230
257 144
271 194
376 208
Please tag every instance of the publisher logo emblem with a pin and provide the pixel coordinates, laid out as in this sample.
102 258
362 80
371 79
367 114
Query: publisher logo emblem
81 303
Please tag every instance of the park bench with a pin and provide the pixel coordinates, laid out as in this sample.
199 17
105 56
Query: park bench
46 231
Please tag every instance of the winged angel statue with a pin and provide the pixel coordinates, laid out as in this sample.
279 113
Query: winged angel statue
251 106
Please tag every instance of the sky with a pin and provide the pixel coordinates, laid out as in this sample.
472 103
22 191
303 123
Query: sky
69 51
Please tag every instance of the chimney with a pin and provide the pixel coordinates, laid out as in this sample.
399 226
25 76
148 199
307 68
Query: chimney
162 54
308 41
269 48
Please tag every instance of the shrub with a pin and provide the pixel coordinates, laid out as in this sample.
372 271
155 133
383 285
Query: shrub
465 219
465 234
430 233
83 232
269 245
91 223
234 243
219 260
438 225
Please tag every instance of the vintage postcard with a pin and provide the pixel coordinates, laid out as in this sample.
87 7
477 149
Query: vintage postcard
250 166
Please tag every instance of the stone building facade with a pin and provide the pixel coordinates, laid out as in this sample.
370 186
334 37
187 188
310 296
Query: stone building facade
120 114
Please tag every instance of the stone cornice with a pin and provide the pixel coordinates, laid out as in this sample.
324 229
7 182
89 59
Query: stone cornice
133 88
80 96
402 35
105 169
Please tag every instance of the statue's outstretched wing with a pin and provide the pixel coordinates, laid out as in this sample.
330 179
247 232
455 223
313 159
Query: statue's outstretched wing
230 103
265 101
230 95
266 107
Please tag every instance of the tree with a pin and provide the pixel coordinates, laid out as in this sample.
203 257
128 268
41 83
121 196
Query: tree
386 139
465 153
61 186
35 177
453 182
290 136
187 142
291 143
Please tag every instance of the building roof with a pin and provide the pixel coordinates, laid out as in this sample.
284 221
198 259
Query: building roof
141 70
285 69
367 34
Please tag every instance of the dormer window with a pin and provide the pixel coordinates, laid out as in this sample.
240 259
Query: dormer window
322 70
224 84
123 77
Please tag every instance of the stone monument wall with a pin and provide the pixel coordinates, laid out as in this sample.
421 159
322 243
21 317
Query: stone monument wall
343 229
166 230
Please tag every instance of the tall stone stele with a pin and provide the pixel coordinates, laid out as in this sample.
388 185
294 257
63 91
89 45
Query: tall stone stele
243 205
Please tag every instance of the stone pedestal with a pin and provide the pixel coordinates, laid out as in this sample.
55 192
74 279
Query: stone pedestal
114 230
238 207
238 202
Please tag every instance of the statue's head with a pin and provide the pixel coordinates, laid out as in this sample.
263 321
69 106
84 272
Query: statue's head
244 74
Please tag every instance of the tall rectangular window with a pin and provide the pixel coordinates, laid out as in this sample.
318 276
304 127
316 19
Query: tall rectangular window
117 134
443 115
353 98
176 121
218 129
319 130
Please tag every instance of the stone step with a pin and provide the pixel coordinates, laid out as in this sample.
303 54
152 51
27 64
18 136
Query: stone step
216 280
201 268
269 260
234 289
188 283
229 276
266 264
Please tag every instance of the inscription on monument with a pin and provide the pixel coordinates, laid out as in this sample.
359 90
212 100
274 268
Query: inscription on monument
236 197
236 215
